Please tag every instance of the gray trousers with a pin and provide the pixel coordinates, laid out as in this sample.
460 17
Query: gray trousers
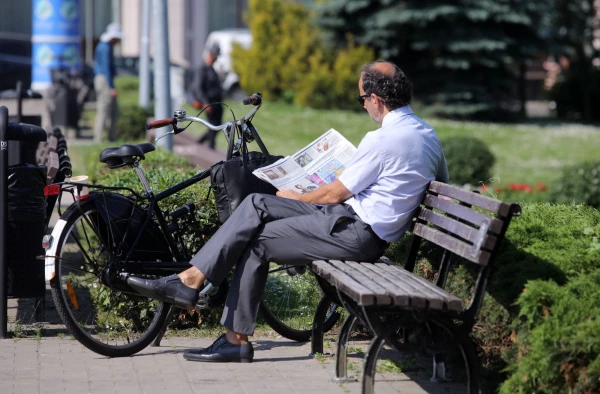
267 228
107 110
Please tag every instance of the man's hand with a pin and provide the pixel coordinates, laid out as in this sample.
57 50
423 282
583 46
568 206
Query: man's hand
287 193
332 193
113 92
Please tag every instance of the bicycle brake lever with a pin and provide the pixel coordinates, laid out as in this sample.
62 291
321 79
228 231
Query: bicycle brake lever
164 135
176 130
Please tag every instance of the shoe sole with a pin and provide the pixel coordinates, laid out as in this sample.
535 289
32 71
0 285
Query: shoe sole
206 360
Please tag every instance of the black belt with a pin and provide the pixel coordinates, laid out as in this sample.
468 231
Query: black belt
369 229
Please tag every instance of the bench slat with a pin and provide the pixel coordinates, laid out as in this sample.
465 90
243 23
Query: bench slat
453 226
450 301
462 212
470 198
379 276
345 283
360 275
416 296
421 295
454 245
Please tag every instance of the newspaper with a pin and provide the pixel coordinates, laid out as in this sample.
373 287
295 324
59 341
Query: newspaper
322 161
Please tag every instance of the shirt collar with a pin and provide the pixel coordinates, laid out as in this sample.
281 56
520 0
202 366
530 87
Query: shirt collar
392 116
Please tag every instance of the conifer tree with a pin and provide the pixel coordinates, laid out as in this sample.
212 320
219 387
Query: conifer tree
464 57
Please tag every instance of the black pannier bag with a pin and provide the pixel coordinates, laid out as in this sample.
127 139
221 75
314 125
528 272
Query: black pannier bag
232 181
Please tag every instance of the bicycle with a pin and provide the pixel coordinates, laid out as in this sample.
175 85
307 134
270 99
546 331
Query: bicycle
116 231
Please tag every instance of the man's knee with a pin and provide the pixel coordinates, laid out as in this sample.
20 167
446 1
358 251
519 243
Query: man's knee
254 199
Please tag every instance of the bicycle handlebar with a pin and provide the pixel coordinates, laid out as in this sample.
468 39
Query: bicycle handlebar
255 100
161 123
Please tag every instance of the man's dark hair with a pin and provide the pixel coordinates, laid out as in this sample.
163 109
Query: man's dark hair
394 89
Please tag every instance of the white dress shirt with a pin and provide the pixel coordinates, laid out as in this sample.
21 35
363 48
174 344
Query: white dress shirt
390 172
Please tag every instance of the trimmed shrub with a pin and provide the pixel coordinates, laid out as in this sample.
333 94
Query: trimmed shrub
282 41
551 244
288 59
132 123
558 346
469 160
579 184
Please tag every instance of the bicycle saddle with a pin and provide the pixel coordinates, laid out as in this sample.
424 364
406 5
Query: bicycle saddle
125 154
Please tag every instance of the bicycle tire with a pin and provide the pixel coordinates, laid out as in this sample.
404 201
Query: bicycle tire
291 297
109 322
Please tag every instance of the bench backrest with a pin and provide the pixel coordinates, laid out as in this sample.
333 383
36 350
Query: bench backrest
447 218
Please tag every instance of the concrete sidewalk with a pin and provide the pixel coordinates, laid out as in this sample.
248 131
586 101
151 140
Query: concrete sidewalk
46 360
60 365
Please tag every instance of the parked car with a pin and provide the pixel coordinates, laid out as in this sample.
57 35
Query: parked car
225 38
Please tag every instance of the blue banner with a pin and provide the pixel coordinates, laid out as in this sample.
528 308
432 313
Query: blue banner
56 18
47 56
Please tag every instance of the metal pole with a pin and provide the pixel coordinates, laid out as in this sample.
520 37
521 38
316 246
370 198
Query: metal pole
116 17
144 93
162 82
89 32
3 222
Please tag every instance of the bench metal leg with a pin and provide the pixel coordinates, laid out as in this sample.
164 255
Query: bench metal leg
341 355
368 380
316 342
163 329
461 339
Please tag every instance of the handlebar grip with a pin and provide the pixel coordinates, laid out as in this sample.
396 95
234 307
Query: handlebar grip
160 123
255 99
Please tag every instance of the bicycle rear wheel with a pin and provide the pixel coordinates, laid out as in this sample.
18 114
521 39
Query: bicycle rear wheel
104 319
290 301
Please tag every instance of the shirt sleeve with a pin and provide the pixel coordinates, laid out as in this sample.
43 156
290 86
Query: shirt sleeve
365 166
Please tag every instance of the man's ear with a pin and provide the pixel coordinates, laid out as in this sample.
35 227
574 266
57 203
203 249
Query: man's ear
377 100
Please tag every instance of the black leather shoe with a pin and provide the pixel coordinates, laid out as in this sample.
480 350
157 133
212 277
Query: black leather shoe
221 351
168 289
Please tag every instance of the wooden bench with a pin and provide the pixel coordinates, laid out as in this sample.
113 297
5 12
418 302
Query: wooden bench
398 305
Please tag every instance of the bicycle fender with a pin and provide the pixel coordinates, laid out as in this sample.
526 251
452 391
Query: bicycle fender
50 260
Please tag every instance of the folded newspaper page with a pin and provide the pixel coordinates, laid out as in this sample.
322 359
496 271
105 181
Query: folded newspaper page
320 162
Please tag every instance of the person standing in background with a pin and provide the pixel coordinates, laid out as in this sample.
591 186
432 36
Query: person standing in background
107 107
206 89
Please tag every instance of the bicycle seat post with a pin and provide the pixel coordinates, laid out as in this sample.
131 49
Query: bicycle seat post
142 176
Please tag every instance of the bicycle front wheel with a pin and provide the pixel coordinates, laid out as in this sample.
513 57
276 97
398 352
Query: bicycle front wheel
106 320
290 302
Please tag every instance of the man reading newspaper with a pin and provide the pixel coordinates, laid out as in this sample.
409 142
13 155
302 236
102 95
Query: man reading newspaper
353 217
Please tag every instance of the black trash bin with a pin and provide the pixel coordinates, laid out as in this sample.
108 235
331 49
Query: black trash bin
26 227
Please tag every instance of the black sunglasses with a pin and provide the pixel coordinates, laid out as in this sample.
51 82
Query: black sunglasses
361 99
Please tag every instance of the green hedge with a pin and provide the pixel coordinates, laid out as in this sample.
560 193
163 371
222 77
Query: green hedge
551 246
580 184
469 159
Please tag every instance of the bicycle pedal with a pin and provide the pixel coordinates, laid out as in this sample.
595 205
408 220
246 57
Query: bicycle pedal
203 302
